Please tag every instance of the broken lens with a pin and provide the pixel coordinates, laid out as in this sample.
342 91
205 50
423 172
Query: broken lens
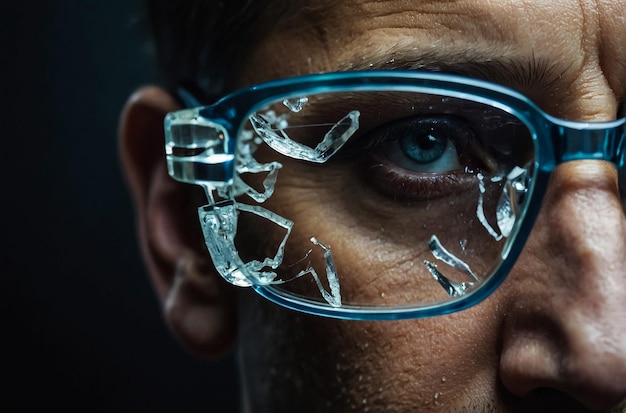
379 199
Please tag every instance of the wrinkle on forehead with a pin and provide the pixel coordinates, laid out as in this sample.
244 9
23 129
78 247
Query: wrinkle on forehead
612 26
357 27
562 35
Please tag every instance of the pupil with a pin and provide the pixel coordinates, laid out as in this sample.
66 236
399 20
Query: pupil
427 142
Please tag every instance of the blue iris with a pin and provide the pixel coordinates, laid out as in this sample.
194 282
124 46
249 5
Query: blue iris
426 140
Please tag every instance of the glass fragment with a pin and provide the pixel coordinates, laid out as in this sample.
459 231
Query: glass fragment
296 104
452 288
480 213
219 226
334 296
272 130
512 195
446 256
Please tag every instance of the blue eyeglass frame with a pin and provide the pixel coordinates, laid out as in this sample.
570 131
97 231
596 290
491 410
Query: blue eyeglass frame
556 141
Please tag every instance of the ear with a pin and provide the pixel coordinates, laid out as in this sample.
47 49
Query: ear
198 305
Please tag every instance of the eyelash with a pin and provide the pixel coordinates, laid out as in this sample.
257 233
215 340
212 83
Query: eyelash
391 179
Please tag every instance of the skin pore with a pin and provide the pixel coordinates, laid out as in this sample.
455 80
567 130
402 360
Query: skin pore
551 338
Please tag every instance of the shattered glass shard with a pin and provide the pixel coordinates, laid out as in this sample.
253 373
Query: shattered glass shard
219 227
452 288
246 163
338 135
513 194
334 139
334 297
296 104
446 256
505 215
480 212
282 222
250 165
219 224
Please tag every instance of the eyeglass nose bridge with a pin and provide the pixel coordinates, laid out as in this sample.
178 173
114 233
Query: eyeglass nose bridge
581 141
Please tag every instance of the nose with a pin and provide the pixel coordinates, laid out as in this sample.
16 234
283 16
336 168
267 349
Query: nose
565 325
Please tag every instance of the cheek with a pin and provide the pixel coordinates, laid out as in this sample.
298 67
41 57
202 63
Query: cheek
378 244
384 366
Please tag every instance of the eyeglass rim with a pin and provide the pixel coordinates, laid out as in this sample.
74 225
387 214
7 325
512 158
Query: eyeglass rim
233 110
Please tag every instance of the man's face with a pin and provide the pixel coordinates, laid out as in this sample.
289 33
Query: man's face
553 336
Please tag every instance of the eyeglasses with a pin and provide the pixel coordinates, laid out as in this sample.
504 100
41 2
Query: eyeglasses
378 194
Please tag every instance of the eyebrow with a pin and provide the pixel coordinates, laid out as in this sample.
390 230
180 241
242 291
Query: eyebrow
522 72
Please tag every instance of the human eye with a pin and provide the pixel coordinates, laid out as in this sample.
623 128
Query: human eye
422 157
426 144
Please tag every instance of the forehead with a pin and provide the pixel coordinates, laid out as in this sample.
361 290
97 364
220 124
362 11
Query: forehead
569 37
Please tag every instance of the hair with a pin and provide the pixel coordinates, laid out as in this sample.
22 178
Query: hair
202 44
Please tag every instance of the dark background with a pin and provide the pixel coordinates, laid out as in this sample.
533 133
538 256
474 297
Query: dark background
81 329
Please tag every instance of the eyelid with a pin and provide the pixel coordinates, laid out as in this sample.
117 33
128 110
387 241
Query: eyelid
372 139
